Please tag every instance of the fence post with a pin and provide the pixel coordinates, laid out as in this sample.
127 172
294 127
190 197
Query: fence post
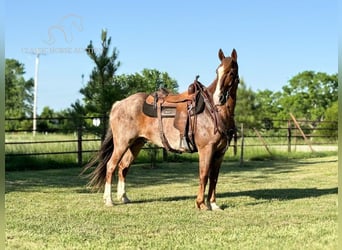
79 145
289 136
301 131
242 144
262 140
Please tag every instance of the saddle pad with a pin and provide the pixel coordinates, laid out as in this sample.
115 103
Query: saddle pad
149 110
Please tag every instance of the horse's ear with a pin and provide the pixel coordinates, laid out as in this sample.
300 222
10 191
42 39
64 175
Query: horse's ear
221 55
234 55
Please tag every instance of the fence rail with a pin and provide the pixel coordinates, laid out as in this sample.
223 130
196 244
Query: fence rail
282 135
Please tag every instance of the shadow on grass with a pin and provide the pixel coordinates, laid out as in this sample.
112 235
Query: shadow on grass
35 181
282 193
43 162
265 194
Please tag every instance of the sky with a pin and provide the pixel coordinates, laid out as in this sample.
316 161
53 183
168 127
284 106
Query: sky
274 40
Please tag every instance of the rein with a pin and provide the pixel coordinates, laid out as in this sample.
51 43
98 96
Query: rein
213 112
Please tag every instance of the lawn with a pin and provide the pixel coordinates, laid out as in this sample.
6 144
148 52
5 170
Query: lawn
283 204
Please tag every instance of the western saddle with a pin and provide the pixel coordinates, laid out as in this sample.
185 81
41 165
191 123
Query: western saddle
161 104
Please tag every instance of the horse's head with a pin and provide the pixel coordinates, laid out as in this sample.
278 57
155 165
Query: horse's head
227 78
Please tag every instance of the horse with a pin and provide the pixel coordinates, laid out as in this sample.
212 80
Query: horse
130 129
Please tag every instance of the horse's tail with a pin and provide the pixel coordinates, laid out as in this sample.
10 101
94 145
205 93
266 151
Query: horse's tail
98 175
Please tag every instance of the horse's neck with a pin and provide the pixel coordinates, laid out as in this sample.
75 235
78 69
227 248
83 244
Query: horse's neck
212 87
226 111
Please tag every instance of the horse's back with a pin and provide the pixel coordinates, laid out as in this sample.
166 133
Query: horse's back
129 105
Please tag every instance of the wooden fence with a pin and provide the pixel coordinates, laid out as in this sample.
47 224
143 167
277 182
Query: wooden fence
281 133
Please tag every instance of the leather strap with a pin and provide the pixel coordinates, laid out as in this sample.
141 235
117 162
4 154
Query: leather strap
213 112
165 142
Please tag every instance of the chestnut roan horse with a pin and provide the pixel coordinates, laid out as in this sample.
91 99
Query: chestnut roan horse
130 128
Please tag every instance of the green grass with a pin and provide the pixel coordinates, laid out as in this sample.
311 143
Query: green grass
288 204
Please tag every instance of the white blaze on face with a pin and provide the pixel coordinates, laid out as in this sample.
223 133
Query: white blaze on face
217 92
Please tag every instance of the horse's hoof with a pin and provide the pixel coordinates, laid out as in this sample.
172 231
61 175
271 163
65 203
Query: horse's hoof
204 208
214 207
124 199
201 206
108 203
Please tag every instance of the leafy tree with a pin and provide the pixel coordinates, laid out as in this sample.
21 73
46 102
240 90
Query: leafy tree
18 94
77 113
329 126
47 123
18 91
308 95
331 114
267 103
146 81
246 106
267 108
71 119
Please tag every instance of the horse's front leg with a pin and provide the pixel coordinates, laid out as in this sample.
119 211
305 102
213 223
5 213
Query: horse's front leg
205 156
213 178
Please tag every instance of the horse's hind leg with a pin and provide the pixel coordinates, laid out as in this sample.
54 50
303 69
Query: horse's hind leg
113 162
124 165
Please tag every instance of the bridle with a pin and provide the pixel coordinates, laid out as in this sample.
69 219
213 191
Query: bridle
223 101
226 93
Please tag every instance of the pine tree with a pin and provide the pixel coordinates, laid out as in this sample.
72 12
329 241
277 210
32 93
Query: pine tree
102 90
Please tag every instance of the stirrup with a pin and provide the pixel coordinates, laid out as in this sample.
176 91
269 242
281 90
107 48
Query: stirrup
183 144
186 146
